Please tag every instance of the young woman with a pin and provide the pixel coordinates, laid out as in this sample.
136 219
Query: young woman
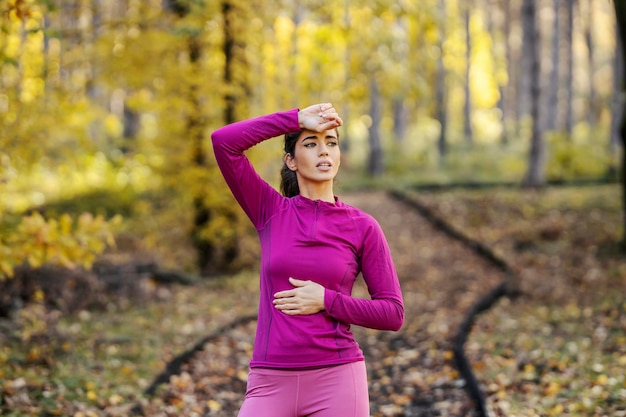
306 361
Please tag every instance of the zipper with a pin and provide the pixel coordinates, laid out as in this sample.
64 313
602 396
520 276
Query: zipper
314 226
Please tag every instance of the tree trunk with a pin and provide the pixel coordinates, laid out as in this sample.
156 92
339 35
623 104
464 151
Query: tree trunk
525 60
345 106
399 119
617 108
295 92
620 12
553 88
231 49
507 91
569 67
535 176
441 100
211 258
229 58
398 102
205 250
375 166
588 32
467 108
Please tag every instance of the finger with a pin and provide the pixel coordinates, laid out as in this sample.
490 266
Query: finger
291 310
282 305
284 294
332 117
329 125
288 308
280 301
297 282
322 108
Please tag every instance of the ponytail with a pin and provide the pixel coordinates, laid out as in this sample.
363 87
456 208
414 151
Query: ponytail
288 182
288 178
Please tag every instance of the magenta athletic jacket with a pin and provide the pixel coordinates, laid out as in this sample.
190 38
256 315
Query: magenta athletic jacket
310 240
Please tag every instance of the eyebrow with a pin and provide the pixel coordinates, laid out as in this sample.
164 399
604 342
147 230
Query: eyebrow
315 137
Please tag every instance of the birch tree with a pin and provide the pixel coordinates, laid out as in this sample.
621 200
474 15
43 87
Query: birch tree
467 90
569 66
553 86
535 175
441 111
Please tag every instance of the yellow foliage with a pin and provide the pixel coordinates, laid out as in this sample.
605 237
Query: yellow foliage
552 389
64 241
602 379
32 321
213 405
116 399
113 126
557 410
38 296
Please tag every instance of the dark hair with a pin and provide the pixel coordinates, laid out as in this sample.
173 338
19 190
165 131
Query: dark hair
288 179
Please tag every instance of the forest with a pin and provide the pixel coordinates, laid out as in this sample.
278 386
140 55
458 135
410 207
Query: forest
496 122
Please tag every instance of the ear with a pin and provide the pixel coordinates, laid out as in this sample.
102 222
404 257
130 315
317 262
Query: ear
290 162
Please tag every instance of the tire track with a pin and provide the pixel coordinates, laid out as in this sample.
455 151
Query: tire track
461 277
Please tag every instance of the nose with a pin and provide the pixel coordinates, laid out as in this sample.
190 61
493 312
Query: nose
323 149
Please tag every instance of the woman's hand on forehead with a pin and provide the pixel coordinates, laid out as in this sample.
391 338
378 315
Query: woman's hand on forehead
319 117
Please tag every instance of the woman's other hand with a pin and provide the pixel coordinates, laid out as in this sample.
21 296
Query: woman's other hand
306 298
319 117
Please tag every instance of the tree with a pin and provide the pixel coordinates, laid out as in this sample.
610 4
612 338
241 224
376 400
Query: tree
569 66
467 90
535 176
553 87
213 255
589 41
195 127
441 112
37 134
524 86
507 101
620 13
617 108
375 165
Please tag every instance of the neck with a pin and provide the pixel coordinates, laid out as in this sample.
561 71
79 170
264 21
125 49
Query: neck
322 192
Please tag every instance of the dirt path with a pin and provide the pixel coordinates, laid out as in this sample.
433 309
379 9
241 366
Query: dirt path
441 280
412 371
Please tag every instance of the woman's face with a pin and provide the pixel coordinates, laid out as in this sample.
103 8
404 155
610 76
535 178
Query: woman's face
317 156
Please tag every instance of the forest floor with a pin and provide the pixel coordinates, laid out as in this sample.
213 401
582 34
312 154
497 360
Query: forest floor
558 349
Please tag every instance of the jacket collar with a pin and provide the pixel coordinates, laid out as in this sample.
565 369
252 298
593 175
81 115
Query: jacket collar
307 202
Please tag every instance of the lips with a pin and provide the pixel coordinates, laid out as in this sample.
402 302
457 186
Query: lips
324 164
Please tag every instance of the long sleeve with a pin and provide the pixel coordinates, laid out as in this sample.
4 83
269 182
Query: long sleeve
385 309
254 195
327 242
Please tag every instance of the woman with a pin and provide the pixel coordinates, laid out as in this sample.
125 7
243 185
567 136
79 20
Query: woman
306 361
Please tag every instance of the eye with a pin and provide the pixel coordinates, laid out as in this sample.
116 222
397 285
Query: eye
332 143
309 145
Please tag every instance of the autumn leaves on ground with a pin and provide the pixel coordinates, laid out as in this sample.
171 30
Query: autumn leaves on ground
557 349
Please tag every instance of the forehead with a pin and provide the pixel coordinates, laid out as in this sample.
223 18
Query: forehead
310 134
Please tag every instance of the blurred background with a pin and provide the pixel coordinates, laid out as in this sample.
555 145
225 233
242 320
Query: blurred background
117 99
106 107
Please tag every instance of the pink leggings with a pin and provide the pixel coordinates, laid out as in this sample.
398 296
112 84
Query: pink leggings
337 391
